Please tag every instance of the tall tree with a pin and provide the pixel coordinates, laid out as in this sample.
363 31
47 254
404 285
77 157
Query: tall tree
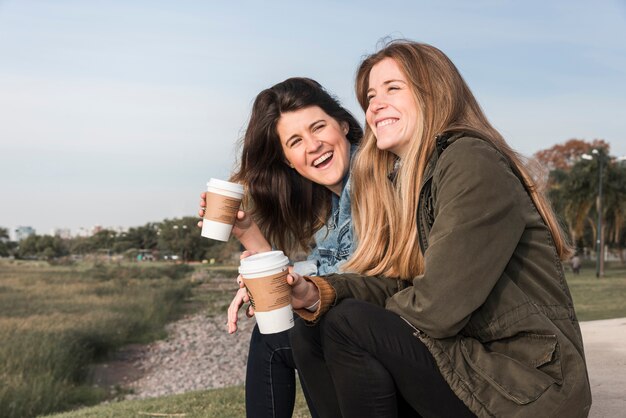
564 156
4 242
614 205
42 247
575 194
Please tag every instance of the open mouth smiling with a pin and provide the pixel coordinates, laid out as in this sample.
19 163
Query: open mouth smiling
386 122
323 159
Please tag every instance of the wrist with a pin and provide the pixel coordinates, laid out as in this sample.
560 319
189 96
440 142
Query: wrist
313 308
312 299
253 240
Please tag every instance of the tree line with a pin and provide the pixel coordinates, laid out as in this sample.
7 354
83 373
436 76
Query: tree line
571 170
171 239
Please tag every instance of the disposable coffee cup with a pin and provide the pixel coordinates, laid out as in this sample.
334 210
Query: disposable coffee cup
223 199
265 277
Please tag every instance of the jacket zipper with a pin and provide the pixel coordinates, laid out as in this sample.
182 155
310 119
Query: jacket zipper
418 332
420 208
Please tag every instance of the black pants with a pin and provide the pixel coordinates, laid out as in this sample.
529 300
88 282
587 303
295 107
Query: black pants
271 376
362 360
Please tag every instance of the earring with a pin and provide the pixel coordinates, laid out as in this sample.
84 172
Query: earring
289 163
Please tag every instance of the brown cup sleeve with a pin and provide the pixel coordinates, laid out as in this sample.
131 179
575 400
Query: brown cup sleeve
220 208
270 292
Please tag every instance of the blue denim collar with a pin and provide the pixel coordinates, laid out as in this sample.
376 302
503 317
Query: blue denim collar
339 201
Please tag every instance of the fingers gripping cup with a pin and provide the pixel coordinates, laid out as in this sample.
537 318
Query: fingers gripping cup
265 277
222 203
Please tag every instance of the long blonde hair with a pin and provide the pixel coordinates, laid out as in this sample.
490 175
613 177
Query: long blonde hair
384 214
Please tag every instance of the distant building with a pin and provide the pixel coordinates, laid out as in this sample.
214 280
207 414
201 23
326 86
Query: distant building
23 232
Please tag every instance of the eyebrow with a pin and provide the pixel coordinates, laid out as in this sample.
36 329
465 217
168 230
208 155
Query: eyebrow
393 80
310 127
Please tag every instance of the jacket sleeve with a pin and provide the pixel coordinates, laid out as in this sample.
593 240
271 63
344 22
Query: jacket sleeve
370 289
477 225
335 287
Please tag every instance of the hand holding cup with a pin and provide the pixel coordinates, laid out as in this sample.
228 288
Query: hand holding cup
222 201
265 277
303 292
244 229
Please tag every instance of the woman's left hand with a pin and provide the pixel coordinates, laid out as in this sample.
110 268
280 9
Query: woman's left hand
233 310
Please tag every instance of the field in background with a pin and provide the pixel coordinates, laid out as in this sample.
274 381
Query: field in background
594 299
56 320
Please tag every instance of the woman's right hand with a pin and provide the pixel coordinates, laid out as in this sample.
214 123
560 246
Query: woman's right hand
242 223
244 229
202 208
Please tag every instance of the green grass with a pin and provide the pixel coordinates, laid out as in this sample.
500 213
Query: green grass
595 298
56 320
219 403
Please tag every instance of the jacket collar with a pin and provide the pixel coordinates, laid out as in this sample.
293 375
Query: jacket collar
442 141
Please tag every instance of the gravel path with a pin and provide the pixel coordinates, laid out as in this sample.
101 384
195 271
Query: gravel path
198 354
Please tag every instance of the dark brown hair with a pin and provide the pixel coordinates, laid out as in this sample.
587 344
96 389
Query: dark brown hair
288 208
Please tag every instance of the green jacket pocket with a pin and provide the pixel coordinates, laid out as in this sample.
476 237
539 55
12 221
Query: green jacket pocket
521 367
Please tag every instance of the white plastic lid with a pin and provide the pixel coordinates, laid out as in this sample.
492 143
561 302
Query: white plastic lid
225 185
261 262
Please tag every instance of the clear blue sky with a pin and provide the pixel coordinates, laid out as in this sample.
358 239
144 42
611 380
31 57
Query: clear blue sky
118 112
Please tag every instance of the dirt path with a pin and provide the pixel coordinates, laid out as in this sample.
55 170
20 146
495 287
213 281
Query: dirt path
197 354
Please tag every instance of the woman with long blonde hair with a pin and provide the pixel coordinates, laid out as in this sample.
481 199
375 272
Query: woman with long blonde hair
456 302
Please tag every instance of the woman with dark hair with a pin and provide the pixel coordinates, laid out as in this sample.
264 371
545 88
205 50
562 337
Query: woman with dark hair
295 168
458 303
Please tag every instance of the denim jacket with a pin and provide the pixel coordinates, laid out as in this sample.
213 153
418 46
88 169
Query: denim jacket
333 242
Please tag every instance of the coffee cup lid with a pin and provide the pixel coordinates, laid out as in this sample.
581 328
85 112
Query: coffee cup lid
260 262
225 185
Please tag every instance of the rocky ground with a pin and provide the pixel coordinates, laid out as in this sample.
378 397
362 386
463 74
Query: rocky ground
197 354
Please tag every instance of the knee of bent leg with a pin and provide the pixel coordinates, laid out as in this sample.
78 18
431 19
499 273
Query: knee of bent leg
345 313
345 319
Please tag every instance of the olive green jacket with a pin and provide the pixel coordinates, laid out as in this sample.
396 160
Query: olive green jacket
493 306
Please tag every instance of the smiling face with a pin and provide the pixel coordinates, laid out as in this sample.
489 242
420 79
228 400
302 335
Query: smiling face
392 111
315 145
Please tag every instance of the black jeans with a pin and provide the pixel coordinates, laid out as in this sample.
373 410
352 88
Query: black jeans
362 360
270 376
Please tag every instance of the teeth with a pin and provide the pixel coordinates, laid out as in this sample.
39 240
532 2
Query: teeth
386 122
323 158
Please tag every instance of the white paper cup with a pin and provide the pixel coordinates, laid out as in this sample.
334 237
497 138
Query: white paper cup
223 199
265 277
